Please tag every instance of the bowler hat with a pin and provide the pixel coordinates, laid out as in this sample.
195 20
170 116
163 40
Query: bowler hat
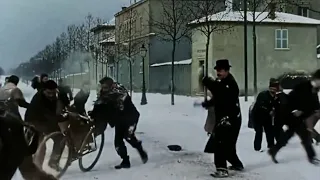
222 64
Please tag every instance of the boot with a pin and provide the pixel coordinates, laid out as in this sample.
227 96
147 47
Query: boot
236 168
314 161
273 154
143 154
221 173
125 164
55 166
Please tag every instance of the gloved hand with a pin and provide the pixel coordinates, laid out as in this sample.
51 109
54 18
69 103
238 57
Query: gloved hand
225 121
131 129
297 113
205 104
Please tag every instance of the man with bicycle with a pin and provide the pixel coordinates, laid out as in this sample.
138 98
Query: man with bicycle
44 112
115 106
16 151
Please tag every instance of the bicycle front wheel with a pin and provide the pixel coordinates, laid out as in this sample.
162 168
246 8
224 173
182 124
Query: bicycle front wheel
54 154
90 150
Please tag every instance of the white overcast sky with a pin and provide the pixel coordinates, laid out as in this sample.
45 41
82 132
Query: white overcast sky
26 26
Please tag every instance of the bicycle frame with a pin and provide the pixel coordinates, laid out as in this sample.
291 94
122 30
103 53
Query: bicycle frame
67 133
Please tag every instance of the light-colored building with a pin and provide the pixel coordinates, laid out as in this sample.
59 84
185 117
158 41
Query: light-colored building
134 25
103 51
285 43
306 8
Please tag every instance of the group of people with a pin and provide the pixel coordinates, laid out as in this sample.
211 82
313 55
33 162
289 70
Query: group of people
113 106
299 110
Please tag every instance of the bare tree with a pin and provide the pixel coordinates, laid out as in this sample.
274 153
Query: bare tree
128 42
89 24
207 23
259 10
171 26
72 32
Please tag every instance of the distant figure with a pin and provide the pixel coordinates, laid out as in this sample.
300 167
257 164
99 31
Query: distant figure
6 80
65 93
35 83
81 98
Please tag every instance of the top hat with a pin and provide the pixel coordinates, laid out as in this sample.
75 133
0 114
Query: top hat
222 64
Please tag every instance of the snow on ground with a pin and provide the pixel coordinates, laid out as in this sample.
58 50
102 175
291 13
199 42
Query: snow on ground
162 124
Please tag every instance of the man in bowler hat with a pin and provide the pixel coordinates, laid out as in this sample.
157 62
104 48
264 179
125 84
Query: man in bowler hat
225 91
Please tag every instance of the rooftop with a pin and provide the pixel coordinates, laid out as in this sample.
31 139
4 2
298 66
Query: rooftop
237 16
104 26
110 39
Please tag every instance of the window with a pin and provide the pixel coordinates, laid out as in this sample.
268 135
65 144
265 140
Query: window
281 39
141 25
303 11
141 68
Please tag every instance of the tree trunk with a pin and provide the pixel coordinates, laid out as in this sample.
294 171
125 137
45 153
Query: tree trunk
245 23
254 38
89 71
117 66
172 70
130 78
207 64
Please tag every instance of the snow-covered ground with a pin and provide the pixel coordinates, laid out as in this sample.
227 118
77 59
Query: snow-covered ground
162 124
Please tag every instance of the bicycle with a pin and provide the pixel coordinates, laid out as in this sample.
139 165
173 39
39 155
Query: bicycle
67 139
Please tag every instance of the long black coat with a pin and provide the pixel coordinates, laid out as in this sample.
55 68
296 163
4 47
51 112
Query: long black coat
226 103
264 105
226 97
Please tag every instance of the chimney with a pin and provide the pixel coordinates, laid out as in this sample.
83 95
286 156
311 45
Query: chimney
272 10
123 8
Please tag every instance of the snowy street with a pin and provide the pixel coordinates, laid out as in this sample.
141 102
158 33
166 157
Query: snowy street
162 124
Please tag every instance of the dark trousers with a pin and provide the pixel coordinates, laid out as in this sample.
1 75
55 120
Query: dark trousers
13 149
299 127
278 130
121 133
15 154
260 127
80 108
225 145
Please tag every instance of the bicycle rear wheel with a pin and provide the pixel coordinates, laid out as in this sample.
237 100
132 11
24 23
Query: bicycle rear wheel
44 154
90 150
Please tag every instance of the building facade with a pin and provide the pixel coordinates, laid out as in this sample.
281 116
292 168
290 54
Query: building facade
103 52
280 48
134 27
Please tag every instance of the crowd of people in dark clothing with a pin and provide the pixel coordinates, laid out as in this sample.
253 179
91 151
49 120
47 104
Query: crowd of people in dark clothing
299 110
273 109
17 150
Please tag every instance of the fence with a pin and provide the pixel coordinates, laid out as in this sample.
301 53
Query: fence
160 78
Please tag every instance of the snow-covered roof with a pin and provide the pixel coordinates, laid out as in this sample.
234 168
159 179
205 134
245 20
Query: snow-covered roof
318 46
112 21
183 62
236 16
109 39
318 56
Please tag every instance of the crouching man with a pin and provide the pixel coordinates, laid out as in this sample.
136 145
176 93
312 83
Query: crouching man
115 104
